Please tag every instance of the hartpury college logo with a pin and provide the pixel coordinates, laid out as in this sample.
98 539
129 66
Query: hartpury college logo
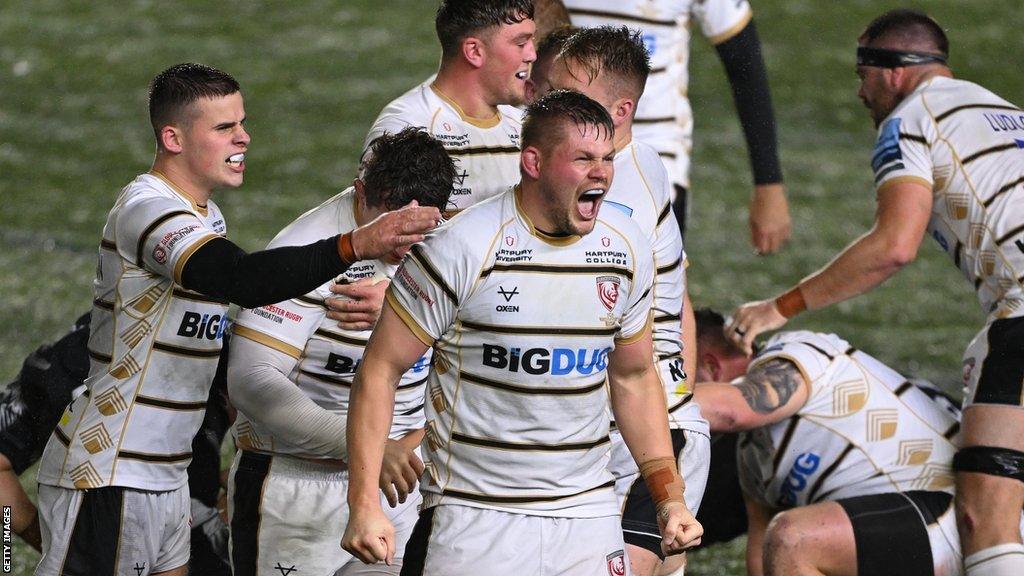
608 290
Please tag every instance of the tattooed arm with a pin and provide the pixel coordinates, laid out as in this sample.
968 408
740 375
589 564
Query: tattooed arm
769 392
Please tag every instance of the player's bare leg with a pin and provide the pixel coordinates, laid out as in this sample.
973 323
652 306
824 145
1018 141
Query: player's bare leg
811 540
673 565
642 561
179 571
988 506
24 518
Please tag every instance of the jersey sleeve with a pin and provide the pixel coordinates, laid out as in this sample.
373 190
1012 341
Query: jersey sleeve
902 152
158 234
811 362
641 296
430 285
285 326
722 19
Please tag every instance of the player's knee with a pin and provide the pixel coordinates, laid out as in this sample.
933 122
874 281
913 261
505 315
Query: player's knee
995 475
5 464
783 539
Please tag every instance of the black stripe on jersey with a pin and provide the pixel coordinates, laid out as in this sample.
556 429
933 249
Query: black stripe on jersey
664 214
783 446
1003 190
952 111
658 70
958 253
182 351
987 151
686 400
549 391
952 431
849 351
328 379
1009 235
671 155
490 443
819 350
520 499
96 537
197 297
156 458
914 138
412 384
411 411
417 254
556 269
540 330
312 301
350 340
100 357
978 281
109 306
619 17
903 389
656 121
62 437
149 230
885 171
644 295
108 245
811 496
667 318
170 404
480 150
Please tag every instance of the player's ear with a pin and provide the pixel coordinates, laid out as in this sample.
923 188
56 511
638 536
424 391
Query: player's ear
713 366
530 161
622 110
171 139
474 51
360 187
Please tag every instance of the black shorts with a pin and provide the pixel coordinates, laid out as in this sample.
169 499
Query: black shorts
891 530
994 364
639 518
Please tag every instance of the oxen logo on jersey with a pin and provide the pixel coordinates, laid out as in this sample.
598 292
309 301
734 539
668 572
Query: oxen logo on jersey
805 465
507 295
616 563
608 290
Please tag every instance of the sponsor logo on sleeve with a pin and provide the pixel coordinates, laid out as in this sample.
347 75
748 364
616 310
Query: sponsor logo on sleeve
409 283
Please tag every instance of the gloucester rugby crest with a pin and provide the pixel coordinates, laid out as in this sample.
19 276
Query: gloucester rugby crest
608 290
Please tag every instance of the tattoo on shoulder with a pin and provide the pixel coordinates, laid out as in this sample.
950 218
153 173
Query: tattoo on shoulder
769 386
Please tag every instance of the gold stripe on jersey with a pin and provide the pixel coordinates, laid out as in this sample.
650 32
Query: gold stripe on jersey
620 16
904 180
734 30
524 447
187 253
960 108
155 458
482 150
987 151
343 338
204 210
639 335
417 255
149 230
169 404
1002 190
811 496
268 341
496 499
183 351
539 330
518 268
407 318
490 122
196 296
538 390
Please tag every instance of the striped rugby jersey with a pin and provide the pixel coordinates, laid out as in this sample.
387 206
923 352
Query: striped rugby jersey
664 118
522 325
967 145
641 190
485 150
326 356
153 348
865 429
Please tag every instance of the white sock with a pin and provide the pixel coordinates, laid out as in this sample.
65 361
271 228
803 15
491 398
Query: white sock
1001 560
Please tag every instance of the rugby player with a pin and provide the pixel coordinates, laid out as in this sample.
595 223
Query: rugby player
117 459
610 65
664 119
289 376
948 161
844 463
517 443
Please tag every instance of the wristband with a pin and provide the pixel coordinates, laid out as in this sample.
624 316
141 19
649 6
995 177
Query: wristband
791 303
346 250
663 481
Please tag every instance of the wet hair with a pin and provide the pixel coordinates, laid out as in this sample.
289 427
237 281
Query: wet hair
551 44
409 165
910 29
617 51
456 20
711 332
173 91
545 119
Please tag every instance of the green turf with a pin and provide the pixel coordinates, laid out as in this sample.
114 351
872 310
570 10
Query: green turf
73 131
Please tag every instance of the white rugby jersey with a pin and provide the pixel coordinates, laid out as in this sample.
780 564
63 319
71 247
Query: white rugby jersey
967 145
865 429
664 118
485 150
153 348
642 191
522 325
326 356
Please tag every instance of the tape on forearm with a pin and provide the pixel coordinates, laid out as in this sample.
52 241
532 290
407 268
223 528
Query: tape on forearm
663 480
346 250
791 303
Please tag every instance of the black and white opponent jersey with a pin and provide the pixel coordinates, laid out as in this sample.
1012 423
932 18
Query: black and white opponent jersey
967 145
642 191
663 117
326 356
485 150
865 429
153 346
522 324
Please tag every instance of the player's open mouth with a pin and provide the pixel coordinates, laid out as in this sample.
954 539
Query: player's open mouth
522 75
235 160
588 203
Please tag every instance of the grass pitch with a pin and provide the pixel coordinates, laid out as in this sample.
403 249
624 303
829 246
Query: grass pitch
74 130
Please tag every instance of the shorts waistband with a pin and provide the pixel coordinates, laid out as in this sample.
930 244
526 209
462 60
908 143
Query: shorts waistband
292 466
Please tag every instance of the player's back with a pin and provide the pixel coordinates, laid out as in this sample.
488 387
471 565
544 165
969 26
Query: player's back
864 429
